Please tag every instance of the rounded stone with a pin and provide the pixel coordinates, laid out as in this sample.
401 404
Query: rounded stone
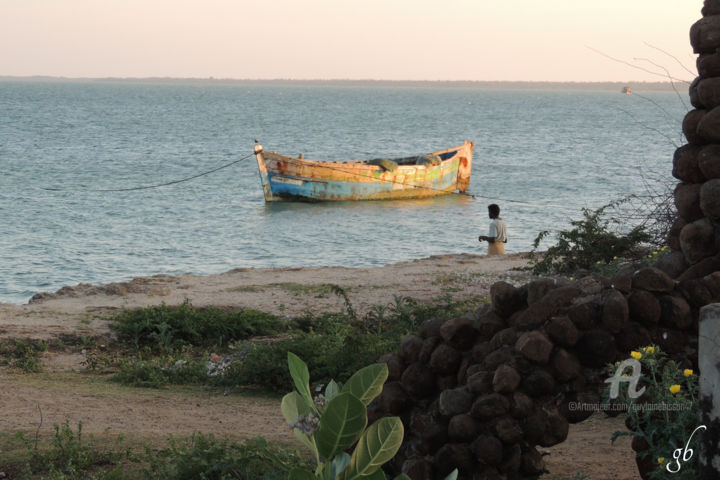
686 166
454 402
697 240
708 65
508 430
462 428
506 379
705 34
644 307
410 347
690 125
708 91
653 280
565 365
488 449
710 198
539 383
490 406
615 311
687 201
418 380
459 333
708 127
535 347
445 359
562 331
708 161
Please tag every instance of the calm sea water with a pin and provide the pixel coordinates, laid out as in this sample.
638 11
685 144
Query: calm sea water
555 151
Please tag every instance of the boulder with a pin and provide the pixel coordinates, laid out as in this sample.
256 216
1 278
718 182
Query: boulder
532 463
410 347
557 430
541 311
459 333
708 127
462 428
565 365
445 359
393 398
697 240
506 299
644 307
687 201
690 126
675 312
490 406
428 348
506 379
521 405
489 324
395 365
507 336
537 289
455 402
586 312
418 469
562 331
701 269
534 346
673 264
710 198
488 449
632 337
708 91
705 34
498 357
615 312
708 161
480 382
711 7
539 383
653 280
418 380
694 95
508 430
673 238
685 164
451 456
708 65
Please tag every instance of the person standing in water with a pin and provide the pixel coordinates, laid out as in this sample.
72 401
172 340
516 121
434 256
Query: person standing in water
497 235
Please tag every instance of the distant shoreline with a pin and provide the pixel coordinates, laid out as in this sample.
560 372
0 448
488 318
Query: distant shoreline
490 85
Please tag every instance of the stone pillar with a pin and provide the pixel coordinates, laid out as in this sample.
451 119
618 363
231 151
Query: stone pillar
709 363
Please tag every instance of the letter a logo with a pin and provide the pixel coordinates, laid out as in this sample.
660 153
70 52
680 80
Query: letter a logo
615 380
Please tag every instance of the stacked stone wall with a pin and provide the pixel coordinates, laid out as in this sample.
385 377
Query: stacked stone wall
484 391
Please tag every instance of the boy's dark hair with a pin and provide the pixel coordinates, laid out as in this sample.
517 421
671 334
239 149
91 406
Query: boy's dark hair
494 209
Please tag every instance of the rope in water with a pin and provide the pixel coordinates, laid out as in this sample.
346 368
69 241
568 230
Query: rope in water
145 187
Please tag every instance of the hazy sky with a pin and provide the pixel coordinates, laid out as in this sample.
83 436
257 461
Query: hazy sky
342 39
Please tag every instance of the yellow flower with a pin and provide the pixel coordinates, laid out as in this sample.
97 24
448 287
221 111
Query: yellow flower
615 257
687 372
636 355
598 262
661 459
675 389
572 279
649 349
663 248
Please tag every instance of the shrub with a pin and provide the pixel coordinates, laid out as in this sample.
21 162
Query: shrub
23 354
589 241
165 329
665 415
205 457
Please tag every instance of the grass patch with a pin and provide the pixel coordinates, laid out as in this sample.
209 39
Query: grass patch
166 329
334 345
22 354
319 291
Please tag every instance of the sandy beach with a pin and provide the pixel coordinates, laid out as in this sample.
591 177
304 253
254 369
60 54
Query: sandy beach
64 392
82 309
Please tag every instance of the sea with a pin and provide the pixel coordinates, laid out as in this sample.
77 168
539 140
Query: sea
542 155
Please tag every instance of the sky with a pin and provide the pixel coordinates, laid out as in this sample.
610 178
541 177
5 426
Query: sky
476 40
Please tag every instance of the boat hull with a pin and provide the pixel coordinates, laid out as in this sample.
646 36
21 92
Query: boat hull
295 179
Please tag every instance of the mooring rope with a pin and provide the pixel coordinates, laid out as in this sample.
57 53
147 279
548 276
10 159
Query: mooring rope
145 187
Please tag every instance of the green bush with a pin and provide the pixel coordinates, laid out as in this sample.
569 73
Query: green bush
665 415
160 371
23 354
165 329
205 457
590 241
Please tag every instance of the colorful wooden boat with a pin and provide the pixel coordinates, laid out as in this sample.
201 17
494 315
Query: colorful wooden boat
287 178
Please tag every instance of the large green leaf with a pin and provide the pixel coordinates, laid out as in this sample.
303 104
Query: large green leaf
300 474
379 443
367 382
338 464
453 475
301 377
377 475
341 424
292 406
332 390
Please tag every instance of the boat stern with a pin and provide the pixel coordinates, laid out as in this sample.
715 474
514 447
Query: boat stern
465 153
262 169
